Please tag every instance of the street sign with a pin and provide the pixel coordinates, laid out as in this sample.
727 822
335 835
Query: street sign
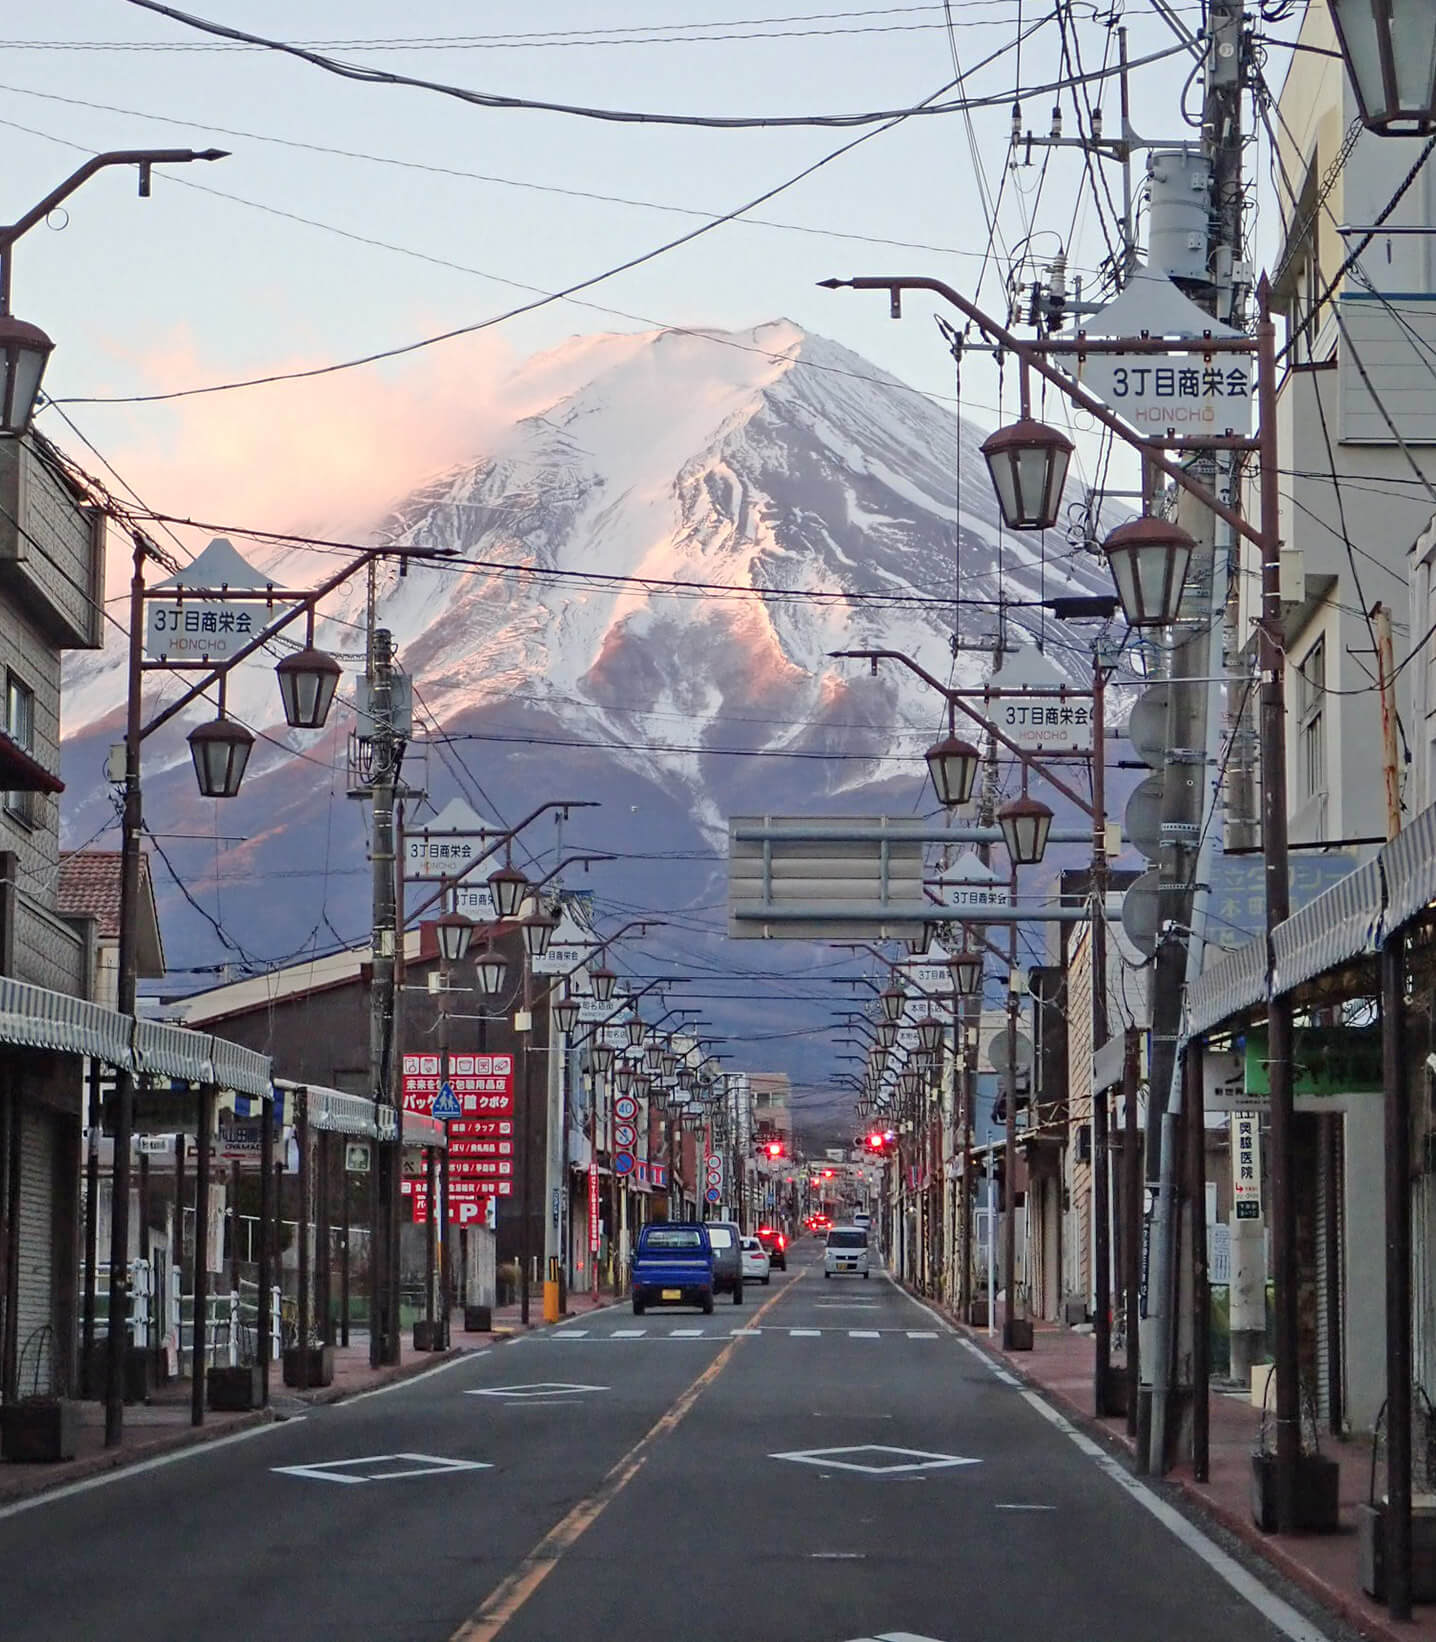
623 1163
712 1195
185 626
569 945
484 1084
967 883
446 846
1185 391
446 1104
593 1221
1038 723
625 1108
1246 1165
356 1156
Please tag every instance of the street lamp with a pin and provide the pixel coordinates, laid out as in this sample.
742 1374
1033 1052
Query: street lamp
307 682
929 1033
453 932
604 981
636 1030
220 750
1389 47
1025 824
565 1015
507 886
492 969
1028 463
1148 559
624 1078
653 1059
952 763
887 1034
966 971
24 348
892 1001
602 1059
538 930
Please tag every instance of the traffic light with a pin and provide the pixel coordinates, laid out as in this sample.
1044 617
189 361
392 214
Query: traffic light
774 1148
877 1141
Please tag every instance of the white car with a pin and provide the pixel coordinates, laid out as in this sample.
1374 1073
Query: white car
847 1251
755 1262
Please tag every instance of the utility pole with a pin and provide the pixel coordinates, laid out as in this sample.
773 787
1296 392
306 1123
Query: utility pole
1192 726
383 1230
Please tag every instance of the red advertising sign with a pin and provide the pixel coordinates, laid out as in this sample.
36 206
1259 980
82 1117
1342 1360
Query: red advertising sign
483 1083
463 1211
593 1208
480 1148
475 1168
483 1128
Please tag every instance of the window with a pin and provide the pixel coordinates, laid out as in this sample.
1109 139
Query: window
1311 721
847 1239
20 727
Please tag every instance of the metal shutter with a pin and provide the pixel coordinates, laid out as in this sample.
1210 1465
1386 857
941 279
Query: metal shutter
35 1308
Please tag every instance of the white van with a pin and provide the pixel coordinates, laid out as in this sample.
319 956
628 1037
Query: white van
847 1251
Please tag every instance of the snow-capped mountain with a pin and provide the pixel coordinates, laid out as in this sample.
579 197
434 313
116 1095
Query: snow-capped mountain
650 569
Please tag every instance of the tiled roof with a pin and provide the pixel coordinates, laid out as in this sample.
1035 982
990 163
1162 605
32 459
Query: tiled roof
89 887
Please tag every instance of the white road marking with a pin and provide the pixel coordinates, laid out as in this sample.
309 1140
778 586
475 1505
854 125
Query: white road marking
1281 1615
837 1556
864 1334
922 1334
122 1473
995 1369
944 1326
1024 1507
628 1333
744 1333
570 1333
908 1460
804 1333
542 1390
685 1334
419 1465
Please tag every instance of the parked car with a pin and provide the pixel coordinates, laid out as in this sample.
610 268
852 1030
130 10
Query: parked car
726 1240
755 1262
672 1266
846 1251
775 1245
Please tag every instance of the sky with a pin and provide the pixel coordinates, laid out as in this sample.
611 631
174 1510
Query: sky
192 287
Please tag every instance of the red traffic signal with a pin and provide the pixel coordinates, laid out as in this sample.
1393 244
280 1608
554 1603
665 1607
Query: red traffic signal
774 1148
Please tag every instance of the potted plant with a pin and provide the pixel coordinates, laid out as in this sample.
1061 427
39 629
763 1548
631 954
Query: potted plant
236 1388
39 1428
1318 1477
1372 1513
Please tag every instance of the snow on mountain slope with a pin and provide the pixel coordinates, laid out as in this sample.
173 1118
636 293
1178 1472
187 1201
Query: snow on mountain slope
801 500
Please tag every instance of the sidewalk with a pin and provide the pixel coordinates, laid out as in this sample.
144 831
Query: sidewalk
162 1426
1062 1364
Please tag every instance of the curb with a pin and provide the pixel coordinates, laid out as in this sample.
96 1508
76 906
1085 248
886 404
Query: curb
1344 1605
114 1459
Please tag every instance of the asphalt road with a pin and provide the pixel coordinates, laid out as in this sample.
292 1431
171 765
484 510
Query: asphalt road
848 1470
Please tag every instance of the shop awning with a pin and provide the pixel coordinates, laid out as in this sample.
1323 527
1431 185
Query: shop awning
19 772
338 1111
36 1018
1339 925
1237 982
1409 862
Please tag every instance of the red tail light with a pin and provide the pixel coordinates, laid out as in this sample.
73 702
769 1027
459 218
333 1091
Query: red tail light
782 1241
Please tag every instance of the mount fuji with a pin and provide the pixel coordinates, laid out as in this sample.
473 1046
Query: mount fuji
649 569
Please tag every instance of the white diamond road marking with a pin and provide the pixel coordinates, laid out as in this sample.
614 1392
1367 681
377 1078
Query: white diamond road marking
903 1459
864 1334
526 1393
420 1465
896 1636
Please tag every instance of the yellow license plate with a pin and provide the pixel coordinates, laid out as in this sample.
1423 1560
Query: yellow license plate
673 1294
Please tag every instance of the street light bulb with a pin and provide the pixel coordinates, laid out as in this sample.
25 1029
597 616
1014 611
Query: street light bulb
23 351
220 750
307 682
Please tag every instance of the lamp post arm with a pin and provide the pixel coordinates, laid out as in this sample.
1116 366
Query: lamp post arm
955 701
1031 358
142 157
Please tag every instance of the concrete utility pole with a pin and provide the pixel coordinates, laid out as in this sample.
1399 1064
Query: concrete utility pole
1192 725
384 1220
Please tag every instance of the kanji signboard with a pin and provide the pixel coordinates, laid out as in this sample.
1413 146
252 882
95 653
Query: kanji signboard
1175 392
1246 1165
484 1084
1059 720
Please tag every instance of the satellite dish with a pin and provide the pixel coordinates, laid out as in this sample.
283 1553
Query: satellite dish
1147 725
1142 819
997 1052
1139 912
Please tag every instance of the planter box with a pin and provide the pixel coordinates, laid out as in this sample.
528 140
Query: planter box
977 1313
1017 1334
478 1319
139 1373
320 1366
40 1431
235 1390
1371 1552
431 1336
1114 1392
1317 1488
1074 1311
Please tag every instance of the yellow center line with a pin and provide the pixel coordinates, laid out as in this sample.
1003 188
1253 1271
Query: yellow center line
507 1598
